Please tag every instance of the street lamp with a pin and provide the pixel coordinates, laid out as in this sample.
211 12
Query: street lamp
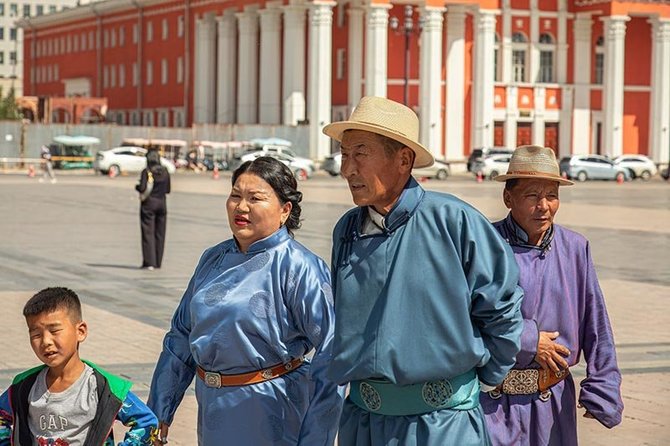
407 28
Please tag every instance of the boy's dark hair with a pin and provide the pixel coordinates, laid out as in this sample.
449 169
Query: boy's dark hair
52 299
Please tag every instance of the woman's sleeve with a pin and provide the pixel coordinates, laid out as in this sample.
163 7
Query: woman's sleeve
312 307
601 389
175 368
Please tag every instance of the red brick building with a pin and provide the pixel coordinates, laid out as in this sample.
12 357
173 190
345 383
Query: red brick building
582 76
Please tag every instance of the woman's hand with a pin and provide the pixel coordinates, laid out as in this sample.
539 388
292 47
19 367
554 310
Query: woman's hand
549 353
162 434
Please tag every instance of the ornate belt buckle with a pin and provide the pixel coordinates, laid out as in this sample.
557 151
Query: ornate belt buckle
288 366
267 374
213 379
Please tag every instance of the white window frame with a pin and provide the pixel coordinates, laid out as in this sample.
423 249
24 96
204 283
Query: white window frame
150 72
180 70
547 48
122 75
165 30
164 71
180 26
150 31
519 48
136 74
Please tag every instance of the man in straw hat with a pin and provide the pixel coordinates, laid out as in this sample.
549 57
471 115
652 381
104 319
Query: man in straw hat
426 296
564 316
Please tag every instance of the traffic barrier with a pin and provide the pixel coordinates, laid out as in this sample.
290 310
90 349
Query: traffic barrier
111 173
31 171
215 175
619 178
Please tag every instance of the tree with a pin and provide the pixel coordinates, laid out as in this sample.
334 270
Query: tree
8 108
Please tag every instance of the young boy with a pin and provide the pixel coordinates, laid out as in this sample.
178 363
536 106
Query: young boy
68 401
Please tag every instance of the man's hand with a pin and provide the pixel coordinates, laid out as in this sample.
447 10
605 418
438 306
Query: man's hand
162 434
549 353
587 414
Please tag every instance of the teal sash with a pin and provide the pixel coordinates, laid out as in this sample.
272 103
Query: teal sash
385 398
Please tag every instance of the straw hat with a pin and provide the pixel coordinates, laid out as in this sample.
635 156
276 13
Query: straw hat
384 117
534 162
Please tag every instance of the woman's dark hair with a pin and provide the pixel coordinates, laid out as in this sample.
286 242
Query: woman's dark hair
282 181
154 163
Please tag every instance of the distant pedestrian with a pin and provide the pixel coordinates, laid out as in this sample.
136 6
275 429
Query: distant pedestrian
153 186
48 171
564 314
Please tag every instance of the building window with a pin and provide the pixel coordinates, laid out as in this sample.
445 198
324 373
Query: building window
69 43
2 57
50 73
12 33
180 70
75 44
150 72
122 36
150 31
165 29
149 118
135 117
519 65
83 41
40 10
122 75
112 38
340 63
56 73
600 60
2 9
13 10
91 42
105 77
105 39
26 10
546 46
496 58
112 76
519 50
136 74
135 33
164 71
52 9
162 118
12 57
2 33
180 26
178 118
546 67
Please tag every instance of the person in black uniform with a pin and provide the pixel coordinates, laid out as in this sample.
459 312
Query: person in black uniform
153 211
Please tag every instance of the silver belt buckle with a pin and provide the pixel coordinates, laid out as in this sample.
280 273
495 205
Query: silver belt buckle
212 379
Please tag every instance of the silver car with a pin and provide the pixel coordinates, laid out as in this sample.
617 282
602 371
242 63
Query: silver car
639 166
592 167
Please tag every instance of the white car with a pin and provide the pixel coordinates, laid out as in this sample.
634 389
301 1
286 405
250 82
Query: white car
492 166
126 160
302 168
639 166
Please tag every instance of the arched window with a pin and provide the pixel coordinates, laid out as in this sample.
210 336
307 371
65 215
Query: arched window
599 62
547 49
519 52
496 59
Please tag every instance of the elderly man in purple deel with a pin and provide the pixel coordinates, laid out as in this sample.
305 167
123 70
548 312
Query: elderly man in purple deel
564 317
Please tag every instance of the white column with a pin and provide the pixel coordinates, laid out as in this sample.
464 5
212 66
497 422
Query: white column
615 35
269 106
534 58
205 59
247 74
320 76
539 95
483 80
293 89
506 44
511 114
355 57
581 112
376 50
430 79
226 68
455 85
565 122
562 43
659 130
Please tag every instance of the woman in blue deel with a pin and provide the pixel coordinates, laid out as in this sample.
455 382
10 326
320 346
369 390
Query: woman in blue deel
255 305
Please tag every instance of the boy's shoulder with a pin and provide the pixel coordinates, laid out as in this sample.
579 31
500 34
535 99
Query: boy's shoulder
27 374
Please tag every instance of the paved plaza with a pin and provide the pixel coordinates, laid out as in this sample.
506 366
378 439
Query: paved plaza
83 233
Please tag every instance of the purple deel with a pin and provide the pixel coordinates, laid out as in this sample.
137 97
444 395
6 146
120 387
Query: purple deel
561 293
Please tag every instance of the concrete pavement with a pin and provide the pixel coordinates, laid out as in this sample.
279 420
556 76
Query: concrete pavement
83 233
